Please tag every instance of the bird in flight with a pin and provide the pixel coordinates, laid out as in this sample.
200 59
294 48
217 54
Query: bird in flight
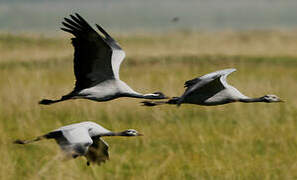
97 60
83 139
175 19
210 90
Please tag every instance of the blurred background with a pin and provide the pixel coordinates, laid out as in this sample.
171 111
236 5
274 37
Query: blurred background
153 15
166 42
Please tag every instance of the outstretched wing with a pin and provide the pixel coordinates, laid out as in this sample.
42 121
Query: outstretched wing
98 151
118 54
93 53
75 141
212 81
225 73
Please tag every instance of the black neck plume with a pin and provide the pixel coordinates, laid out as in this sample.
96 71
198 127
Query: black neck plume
249 100
122 133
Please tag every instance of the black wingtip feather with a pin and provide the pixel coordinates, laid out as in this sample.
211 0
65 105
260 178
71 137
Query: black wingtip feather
104 32
82 20
75 19
72 23
67 30
77 15
190 82
69 26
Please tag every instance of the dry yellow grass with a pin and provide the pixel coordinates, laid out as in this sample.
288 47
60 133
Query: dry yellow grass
235 141
177 44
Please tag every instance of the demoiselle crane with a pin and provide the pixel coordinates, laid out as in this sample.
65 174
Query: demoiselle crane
97 61
210 90
83 139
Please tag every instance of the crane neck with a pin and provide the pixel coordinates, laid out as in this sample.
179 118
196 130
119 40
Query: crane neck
126 91
250 100
113 134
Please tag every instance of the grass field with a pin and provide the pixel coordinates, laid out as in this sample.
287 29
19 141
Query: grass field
235 141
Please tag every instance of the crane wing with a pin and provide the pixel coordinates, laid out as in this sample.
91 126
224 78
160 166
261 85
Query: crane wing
98 151
73 141
225 73
212 81
118 54
94 60
77 135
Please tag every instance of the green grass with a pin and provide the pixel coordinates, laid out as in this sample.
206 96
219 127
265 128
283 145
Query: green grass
235 141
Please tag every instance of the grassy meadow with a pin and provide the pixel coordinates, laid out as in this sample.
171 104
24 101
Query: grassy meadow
234 141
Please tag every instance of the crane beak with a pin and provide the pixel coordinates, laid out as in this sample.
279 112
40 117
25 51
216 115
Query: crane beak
139 134
282 101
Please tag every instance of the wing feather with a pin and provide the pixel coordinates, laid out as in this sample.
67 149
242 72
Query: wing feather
218 78
118 54
98 151
92 53
73 141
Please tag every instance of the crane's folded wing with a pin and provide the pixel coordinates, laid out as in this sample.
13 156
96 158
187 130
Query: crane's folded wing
98 151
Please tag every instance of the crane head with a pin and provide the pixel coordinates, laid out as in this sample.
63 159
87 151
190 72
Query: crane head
131 132
271 98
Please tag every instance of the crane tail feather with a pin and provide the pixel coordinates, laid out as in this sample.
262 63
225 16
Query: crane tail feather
18 141
153 103
173 100
49 101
